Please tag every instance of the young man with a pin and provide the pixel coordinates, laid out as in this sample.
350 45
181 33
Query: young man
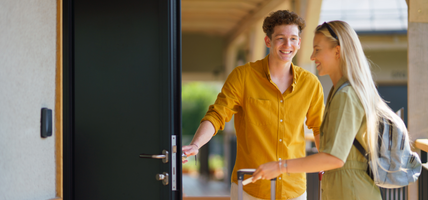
270 99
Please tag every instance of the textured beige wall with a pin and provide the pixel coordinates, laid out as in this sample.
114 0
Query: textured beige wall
418 82
418 73
27 83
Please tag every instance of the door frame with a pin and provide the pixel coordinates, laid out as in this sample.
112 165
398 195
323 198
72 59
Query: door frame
65 92
58 123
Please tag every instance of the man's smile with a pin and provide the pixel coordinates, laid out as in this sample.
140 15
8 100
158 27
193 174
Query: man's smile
285 52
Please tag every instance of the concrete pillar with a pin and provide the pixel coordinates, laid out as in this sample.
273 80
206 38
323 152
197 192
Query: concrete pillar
231 53
257 43
418 68
310 10
418 73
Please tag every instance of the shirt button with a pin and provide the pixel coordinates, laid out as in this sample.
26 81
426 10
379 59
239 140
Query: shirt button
280 101
279 158
280 140
279 178
280 120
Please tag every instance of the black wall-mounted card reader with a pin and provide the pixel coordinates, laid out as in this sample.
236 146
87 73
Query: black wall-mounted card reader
46 123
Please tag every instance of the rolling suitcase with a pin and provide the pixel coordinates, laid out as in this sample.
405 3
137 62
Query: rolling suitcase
241 174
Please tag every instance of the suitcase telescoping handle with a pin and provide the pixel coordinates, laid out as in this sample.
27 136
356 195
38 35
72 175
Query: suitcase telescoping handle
243 172
319 185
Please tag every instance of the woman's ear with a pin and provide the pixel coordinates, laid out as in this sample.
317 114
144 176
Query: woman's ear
337 51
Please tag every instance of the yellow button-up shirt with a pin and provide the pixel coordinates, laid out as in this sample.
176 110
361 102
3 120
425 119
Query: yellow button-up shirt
268 124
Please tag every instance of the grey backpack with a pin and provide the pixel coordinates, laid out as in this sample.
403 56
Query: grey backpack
395 155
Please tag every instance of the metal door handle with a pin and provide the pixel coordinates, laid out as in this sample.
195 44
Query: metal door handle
164 156
163 177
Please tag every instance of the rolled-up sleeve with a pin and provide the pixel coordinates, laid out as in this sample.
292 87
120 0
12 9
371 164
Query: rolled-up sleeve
316 109
228 101
345 117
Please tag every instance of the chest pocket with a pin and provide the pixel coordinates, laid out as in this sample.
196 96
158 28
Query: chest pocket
259 111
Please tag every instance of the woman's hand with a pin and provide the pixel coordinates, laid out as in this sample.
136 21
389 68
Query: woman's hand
267 171
190 150
324 162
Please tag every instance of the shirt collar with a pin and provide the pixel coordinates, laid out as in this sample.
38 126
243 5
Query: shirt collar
267 71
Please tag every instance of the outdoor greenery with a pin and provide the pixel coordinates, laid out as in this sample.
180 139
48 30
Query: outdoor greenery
196 98
216 162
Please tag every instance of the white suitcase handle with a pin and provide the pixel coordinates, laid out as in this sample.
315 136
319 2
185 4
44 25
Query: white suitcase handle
243 172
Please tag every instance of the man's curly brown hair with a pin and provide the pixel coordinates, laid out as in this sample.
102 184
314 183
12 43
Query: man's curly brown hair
281 17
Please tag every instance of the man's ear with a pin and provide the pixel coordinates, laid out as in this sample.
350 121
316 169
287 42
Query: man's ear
267 41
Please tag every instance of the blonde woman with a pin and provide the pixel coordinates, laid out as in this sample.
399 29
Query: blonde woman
353 112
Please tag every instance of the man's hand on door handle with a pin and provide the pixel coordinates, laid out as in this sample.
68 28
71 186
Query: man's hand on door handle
189 150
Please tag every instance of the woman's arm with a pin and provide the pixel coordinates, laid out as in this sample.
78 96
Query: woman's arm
313 163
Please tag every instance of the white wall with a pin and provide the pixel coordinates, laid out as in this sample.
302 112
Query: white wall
27 83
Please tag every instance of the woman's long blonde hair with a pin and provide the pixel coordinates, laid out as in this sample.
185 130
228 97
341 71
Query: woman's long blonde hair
356 68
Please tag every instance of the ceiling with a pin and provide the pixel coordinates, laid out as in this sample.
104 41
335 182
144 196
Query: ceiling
217 17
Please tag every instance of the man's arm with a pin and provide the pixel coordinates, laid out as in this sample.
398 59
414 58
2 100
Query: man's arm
315 112
317 141
202 136
225 106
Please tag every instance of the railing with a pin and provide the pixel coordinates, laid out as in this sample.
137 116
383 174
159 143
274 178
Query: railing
422 144
387 194
394 194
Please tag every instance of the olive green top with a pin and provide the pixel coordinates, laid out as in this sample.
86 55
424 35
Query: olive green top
344 119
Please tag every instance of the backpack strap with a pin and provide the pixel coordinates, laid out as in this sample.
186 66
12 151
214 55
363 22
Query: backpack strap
364 153
342 86
361 149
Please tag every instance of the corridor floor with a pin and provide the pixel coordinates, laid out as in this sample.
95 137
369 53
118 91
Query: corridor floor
198 187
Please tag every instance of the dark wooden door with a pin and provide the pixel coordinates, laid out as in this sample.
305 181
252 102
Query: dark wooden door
122 98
